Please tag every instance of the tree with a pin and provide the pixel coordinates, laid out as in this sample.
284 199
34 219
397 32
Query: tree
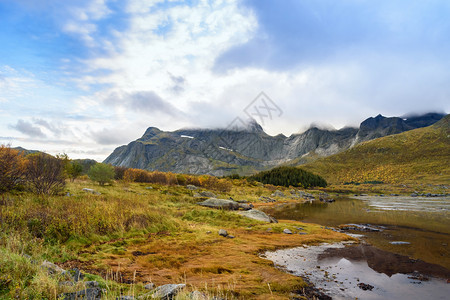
12 168
102 173
73 170
289 176
45 173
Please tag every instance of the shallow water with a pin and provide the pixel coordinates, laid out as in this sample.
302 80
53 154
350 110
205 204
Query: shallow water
339 276
424 223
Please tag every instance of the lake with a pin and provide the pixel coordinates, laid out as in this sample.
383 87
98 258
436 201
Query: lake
412 234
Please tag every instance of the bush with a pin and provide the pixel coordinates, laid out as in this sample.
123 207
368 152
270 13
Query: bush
289 176
119 172
12 168
45 174
102 173
73 170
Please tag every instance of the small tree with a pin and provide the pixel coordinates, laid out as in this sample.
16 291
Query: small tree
12 168
102 173
45 173
73 170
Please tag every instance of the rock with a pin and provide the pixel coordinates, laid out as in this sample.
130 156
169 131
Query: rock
149 188
191 187
223 232
267 199
257 215
224 204
52 268
90 284
91 191
230 236
167 291
399 243
360 227
86 294
207 194
287 231
196 295
75 274
278 193
365 286
417 276
66 283
149 286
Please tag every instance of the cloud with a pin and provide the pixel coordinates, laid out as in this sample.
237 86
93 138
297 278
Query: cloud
109 136
28 129
143 102
294 34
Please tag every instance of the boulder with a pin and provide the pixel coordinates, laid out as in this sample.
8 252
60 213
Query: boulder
224 204
191 187
90 284
223 232
149 286
52 268
287 231
86 294
207 194
167 291
257 215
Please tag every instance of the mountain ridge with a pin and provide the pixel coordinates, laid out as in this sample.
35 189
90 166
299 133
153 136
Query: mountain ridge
248 149
421 154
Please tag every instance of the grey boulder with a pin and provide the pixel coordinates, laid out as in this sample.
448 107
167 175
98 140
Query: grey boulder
223 232
224 204
167 291
257 215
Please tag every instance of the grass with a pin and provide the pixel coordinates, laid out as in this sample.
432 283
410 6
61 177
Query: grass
133 233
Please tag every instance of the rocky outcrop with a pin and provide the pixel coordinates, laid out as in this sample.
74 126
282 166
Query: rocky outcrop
225 151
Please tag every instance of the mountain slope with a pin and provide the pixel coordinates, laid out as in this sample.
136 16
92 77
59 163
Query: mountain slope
248 149
418 155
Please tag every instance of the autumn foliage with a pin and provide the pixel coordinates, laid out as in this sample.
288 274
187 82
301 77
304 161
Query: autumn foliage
12 168
167 178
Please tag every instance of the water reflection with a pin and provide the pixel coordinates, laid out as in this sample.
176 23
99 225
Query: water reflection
427 230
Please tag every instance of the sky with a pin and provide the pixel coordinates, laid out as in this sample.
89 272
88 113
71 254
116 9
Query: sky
83 77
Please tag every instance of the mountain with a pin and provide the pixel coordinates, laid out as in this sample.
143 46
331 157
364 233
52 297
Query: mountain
248 149
420 155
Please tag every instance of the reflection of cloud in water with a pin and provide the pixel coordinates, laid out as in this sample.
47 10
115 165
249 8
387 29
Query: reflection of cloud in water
339 276
407 203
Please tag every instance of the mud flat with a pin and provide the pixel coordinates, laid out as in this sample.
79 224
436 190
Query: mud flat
345 271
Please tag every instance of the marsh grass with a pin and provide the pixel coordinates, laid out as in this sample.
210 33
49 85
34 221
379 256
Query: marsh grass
138 232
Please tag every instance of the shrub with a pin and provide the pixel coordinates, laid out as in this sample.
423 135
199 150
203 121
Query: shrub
119 172
289 176
73 170
12 168
45 174
102 173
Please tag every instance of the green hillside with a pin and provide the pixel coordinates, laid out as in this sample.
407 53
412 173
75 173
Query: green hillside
418 155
